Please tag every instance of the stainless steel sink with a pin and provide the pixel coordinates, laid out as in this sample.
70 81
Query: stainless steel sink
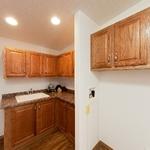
30 97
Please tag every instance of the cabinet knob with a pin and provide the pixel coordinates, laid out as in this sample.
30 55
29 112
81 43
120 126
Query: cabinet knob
39 107
116 56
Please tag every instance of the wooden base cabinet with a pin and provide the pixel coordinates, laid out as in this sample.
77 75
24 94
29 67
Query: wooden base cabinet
70 122
23 123
65 118
27 121
45 116
61 115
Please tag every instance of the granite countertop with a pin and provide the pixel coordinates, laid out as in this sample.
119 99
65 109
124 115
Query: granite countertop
9 100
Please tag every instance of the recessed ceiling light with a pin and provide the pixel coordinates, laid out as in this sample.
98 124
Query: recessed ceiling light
12 21
55 20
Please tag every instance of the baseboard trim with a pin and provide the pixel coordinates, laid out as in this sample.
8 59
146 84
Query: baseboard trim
102 146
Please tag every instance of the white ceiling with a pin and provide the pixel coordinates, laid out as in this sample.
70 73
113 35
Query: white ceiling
34 15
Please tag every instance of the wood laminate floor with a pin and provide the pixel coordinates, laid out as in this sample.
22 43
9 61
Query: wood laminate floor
55 141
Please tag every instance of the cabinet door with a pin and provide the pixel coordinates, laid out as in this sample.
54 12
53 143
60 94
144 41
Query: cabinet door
23 123
45 116
66 64
34 64
129 49
15 64
49 65
102 44
60 65
70 121
61 115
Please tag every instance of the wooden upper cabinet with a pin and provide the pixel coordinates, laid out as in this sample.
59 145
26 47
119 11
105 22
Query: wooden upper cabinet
124 45
60 69
23 123
101 48
34 64
15 63
128 42
71 63
49 65
20 63
68 64
65 64
45 116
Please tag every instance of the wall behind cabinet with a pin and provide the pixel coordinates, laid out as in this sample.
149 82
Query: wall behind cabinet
123 97
67 82
124 103
124 108
21 84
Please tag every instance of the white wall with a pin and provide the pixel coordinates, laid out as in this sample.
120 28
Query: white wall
67 82
21 84
143 4
124 109
86 125
124 105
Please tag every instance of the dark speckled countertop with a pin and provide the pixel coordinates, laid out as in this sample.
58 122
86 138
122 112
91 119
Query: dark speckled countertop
9 100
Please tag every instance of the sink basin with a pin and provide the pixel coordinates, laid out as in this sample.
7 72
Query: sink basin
30 97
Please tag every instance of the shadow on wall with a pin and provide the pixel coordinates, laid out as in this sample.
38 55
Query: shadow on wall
137 77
